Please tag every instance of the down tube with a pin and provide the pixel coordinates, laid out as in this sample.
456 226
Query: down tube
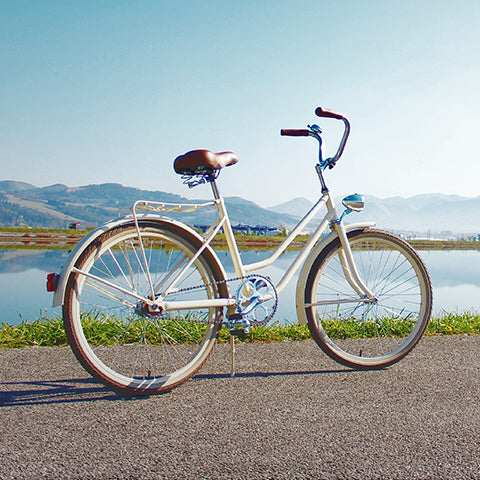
303 254
295 232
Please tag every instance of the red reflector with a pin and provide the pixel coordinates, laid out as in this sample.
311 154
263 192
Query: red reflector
52 281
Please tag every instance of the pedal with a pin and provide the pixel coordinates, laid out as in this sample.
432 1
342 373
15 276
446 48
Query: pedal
236 320
238 332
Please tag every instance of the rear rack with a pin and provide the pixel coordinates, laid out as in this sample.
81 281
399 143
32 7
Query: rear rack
169 207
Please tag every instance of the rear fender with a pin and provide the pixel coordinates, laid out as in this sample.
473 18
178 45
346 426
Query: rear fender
188 233
302 278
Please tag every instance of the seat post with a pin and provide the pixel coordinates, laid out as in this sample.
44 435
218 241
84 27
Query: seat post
216 193
227 229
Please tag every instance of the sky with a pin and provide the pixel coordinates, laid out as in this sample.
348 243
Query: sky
112 91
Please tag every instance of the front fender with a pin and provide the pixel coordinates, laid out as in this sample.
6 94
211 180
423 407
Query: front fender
59 293
302 278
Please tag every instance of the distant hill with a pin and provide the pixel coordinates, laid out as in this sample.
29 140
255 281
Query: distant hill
296 207
426 214
58 205
13 186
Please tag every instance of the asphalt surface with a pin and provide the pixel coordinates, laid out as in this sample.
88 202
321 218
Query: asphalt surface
290 413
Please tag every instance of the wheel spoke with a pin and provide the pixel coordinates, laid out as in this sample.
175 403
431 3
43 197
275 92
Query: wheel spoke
366 334
116 333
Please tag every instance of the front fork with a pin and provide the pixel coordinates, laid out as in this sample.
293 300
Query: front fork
349 267
345 253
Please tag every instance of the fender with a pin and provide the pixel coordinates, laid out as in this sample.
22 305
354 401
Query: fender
302 278
59 293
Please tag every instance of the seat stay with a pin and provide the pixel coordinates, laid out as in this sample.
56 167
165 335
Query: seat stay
185 269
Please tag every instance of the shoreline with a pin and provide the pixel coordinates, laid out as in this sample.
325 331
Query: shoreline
49 332
45 239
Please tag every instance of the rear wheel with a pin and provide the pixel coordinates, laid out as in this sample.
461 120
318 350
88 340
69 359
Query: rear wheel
115 336
361 334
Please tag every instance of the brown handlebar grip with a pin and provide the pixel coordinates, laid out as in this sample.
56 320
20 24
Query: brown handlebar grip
323 112
294 133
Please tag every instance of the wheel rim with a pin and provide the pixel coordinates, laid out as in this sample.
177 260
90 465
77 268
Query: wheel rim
124 345
371 334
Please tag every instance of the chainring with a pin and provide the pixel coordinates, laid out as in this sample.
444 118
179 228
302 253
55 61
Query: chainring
251 298
257 300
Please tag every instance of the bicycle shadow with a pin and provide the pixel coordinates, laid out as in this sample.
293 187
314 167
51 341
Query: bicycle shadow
78 390
56 391
211 376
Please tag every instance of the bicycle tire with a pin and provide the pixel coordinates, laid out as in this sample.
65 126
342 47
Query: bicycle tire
114 337
369 335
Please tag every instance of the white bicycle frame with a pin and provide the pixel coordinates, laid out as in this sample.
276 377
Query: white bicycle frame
331 219
155 297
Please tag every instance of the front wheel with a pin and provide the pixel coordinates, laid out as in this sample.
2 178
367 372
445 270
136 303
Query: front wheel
369 334
118 338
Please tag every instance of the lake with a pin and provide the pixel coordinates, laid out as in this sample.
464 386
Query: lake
455 277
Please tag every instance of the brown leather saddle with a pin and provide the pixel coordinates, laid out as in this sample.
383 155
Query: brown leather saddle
203 162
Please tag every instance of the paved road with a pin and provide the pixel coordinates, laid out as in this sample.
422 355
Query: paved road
290 413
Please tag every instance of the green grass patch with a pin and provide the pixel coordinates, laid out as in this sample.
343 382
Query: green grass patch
356 328
450 323
101 330
45 332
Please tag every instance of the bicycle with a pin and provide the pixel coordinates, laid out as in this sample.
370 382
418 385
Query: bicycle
145 296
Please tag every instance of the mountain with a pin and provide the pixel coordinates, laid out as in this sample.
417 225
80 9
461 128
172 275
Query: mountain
58 205
13 186
293 207
425 214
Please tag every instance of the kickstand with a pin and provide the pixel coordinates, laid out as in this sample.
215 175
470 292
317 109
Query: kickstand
232 355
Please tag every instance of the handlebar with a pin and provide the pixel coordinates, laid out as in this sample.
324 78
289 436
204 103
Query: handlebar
315 132
326 113
294 132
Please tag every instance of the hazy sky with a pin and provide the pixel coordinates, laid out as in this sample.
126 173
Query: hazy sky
112 91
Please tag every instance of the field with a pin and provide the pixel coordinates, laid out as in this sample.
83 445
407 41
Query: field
49 332
50 238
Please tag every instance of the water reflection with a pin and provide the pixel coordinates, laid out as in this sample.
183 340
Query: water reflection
15 260
22 283
455 278
452 267
454 274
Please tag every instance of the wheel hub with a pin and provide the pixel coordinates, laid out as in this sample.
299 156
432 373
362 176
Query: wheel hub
144 309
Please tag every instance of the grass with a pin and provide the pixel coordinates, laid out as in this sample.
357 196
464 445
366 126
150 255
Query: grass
50 331
44 332
466 323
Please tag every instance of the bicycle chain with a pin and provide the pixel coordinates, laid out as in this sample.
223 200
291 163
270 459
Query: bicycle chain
222 282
